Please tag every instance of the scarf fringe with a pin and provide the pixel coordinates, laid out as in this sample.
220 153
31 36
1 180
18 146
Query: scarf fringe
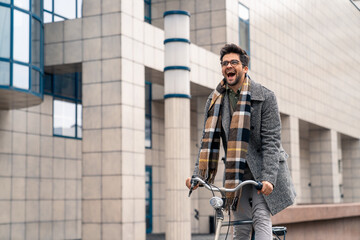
208 175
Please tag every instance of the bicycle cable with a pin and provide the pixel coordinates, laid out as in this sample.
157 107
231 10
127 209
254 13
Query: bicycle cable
227 232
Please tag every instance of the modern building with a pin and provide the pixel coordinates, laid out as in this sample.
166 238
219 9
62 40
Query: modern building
102 105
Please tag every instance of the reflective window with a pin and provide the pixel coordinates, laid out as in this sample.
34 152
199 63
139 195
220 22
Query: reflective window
35 81
24 4
20 76
60 10
65 8
48 5
66 89
79 8
21 36
148 140
64 118
35 42
58 19
147 11
4 73
47 17
36 7
5 1
4 32
244 33
79 120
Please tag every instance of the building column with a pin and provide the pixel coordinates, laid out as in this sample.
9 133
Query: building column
177 123
324 167
351 169
291 142
113 204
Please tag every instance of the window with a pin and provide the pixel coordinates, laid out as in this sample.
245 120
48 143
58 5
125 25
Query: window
148 139
60 10
147 11
67 107
4 73
4 32
244 32
148 198
21 36
21 45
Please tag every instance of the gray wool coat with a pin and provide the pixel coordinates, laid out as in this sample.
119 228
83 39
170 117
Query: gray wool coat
266 158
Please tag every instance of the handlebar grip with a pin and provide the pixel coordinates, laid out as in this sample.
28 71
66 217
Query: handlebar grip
193 184
259 186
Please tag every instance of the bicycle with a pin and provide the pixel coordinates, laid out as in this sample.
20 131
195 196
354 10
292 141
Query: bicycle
218 204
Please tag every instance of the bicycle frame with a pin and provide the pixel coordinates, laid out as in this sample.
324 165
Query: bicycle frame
217 204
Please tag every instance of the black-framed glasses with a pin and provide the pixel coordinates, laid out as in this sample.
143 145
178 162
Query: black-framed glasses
233 62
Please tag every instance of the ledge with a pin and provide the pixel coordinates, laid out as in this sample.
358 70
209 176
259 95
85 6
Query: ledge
316 212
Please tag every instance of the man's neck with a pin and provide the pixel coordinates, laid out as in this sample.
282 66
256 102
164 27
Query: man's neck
238 85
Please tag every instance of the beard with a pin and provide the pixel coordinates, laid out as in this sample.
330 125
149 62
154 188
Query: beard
237 80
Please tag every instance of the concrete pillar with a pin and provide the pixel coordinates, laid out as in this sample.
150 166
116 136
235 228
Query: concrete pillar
291 142
324 156
177 123
351 169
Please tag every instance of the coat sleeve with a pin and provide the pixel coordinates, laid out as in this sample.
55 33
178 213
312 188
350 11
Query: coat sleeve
270 138
207 105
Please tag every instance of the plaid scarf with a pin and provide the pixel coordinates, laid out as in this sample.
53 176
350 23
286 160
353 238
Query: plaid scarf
237 143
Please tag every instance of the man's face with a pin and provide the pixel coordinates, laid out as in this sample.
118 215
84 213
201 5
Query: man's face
233 72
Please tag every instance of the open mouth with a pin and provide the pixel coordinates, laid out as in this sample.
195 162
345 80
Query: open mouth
230 74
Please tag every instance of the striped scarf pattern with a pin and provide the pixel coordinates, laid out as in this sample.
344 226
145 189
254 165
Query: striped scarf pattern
238 140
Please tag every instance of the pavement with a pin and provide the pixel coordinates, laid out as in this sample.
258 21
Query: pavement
193 237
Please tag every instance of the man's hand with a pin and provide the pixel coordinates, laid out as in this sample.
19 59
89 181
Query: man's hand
267 188
188 183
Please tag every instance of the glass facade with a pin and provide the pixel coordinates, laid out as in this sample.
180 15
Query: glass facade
244 28
147 11
148 139
148 198
21 47
67 107
60 10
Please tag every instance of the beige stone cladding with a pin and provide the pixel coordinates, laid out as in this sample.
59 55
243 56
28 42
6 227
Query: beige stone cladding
40 177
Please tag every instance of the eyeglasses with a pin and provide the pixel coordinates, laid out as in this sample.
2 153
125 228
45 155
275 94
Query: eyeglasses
233 63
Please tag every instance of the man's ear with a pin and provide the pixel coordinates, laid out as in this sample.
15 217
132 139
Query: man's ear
246 69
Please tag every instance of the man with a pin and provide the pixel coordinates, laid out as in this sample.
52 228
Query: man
245 116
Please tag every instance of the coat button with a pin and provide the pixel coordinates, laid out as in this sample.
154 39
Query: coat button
258 150
252 128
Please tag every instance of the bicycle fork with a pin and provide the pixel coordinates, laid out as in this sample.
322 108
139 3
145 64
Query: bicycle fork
219 220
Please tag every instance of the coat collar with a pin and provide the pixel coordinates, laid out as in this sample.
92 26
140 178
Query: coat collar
256 91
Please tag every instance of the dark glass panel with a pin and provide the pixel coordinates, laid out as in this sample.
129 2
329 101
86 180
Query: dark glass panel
244 36
64 85
35 81
35 42
48 83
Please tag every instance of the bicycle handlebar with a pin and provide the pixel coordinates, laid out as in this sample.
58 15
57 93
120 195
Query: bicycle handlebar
196 180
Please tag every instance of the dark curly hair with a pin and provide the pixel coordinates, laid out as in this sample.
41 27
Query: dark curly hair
233 48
